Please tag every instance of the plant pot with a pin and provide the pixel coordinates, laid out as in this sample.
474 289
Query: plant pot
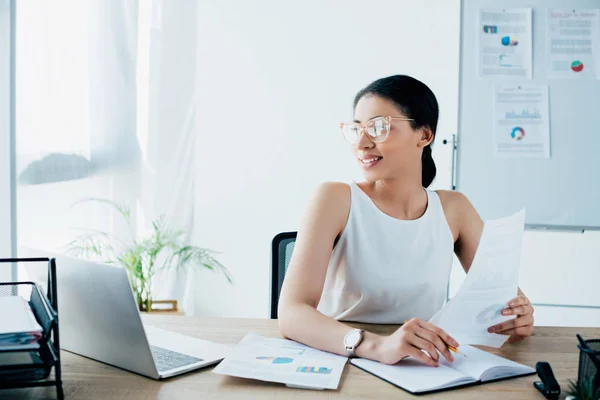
164 307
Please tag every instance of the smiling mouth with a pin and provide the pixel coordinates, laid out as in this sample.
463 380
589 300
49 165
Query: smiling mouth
369 162
370 159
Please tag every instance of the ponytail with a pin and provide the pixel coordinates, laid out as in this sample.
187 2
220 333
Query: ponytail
428 167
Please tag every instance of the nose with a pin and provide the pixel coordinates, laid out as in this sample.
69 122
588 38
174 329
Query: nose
364 142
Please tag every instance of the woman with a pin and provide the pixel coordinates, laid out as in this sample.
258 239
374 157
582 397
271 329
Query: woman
392 239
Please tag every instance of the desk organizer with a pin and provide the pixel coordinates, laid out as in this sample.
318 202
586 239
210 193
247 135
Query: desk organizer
589 363
30 365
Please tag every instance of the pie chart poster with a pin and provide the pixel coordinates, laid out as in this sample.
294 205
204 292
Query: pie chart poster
521 121
574 43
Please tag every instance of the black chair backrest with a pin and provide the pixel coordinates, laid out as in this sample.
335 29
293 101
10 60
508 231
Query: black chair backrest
282 247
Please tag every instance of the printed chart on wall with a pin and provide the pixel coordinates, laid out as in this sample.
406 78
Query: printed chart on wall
574 44
521 123
505 43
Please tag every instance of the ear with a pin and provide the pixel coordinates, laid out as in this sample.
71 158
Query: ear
426 137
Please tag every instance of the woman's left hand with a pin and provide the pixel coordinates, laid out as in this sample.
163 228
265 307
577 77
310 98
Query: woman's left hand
518 328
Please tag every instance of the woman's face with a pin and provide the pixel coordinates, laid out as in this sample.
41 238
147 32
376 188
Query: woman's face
399 155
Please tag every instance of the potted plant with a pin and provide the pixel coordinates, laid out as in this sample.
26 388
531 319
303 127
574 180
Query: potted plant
583 390
142 258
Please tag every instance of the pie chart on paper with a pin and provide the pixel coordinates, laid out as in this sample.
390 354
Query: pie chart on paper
517 133
577 66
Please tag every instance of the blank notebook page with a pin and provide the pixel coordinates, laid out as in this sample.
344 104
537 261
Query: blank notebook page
482 365
413 375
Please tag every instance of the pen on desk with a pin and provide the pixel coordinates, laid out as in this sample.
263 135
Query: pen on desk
451 348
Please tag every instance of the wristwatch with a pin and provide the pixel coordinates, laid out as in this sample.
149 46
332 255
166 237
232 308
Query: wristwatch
352 340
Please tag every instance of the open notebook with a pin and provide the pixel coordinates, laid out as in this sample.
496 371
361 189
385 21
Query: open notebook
416 377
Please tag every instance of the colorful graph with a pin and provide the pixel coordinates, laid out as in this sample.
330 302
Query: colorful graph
314 370
577 66
517 133
490 29
509 41
276 360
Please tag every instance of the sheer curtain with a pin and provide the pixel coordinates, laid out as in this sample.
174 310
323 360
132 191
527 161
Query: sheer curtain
105 102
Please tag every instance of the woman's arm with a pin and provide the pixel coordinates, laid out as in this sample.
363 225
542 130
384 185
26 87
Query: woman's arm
299 318
470 227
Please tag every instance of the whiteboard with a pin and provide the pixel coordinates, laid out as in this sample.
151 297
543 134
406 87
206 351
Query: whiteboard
562 192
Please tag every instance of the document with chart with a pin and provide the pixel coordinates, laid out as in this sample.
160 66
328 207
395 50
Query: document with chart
505 48
573 44
283 361
521 122
491 283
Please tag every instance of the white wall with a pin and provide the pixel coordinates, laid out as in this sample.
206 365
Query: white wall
5 142
274 81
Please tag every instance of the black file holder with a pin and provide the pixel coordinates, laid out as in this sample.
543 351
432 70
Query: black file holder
30 365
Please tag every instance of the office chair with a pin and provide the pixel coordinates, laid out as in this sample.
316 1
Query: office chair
282 247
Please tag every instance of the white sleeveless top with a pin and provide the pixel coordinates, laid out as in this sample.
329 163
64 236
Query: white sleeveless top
385 270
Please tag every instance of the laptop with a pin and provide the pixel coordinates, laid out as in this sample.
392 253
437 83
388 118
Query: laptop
99 319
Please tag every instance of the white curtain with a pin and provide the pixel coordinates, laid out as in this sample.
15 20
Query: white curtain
111 83
169 165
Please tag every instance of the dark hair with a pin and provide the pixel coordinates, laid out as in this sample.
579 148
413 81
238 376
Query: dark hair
415 100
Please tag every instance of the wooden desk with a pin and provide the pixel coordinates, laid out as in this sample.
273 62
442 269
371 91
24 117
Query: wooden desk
88 379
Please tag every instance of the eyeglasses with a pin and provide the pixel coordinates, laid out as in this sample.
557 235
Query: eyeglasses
377 129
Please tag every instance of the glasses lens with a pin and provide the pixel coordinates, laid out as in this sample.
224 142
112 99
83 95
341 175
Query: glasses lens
351 132
378 128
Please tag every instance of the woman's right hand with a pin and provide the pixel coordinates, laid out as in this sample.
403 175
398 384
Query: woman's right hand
412 337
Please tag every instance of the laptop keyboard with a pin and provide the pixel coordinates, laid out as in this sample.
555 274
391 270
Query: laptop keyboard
166 359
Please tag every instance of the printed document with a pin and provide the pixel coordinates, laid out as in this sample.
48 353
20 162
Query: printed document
491 283
283 361
521 121
573 44
505 48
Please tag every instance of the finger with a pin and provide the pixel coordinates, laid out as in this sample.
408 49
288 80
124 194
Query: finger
519 310
523 331
436 341
427 346
502 326
513 323
449 340
419 355
520 300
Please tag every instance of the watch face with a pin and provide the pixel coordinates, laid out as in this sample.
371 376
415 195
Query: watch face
352 338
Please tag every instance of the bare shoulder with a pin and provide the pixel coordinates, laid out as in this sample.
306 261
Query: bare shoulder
338 190
453 201
331 201
458 211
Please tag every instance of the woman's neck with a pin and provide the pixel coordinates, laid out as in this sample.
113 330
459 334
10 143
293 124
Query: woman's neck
407 197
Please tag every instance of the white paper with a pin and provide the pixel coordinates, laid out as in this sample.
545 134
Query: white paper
416 376
283 361
521 121
491 283
573 44
504 43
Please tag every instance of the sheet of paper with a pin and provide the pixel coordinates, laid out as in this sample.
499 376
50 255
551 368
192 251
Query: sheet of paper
573 44
521 121
283 361
414 375
505 43
491 283
480 364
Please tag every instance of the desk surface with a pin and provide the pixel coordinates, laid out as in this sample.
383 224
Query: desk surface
88 379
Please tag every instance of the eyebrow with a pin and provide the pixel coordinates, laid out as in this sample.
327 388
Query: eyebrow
377 116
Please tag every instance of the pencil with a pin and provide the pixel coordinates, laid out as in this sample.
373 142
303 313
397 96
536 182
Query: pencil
451 348
454 349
